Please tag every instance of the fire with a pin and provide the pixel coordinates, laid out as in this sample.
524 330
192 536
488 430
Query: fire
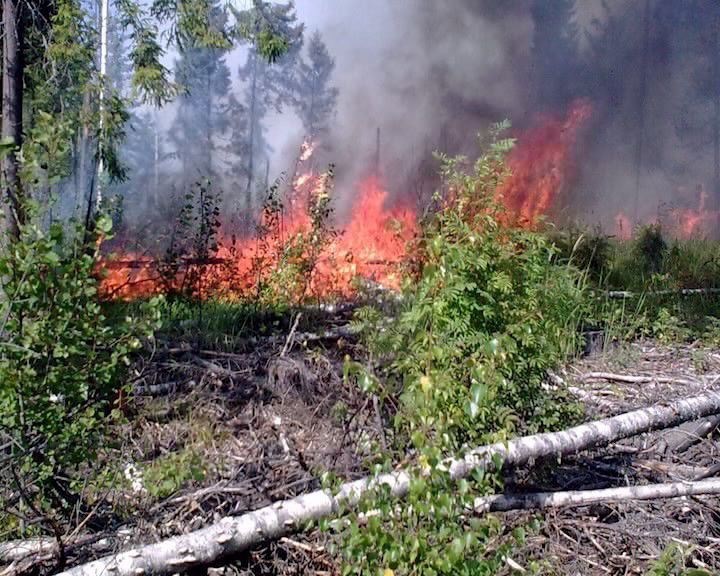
542 163
695 221
683 222
371 245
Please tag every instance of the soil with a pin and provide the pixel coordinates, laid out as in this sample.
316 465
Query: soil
261 423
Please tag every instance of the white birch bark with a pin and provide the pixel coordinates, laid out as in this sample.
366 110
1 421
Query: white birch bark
103 79
542 500
231 536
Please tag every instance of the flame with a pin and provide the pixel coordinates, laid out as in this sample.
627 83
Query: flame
684 222
371 245
695 221
542 163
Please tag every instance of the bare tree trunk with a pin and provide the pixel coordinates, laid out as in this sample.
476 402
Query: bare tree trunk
231 536
251 141
641 109
83 194
156 164
12 70
716 115
542 500
103 74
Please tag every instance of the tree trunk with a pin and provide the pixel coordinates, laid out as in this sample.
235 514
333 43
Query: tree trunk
542 500
231 536
103 74
641 110
716 115
251 141
12 70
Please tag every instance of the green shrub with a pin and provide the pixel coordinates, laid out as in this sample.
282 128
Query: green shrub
486 314
650 249
62 364
587 250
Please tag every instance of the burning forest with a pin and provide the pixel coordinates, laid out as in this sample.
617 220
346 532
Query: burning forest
328 287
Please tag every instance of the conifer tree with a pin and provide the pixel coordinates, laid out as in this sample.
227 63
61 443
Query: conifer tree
266 86
315 97
204 78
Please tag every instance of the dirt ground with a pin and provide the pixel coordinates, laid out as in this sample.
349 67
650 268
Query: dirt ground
263 422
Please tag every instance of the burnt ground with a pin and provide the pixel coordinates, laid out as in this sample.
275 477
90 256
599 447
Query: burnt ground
221 433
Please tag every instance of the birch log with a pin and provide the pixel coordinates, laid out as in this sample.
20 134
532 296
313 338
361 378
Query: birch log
230 536
542 500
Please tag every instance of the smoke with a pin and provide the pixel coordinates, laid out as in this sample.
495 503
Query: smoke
429 75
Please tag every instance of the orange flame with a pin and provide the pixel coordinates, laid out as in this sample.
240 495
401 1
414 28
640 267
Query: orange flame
541 164
372 244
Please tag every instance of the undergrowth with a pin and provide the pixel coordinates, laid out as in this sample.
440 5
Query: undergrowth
485 314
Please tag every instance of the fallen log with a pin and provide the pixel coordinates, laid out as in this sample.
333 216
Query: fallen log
542 500
230 536
627 379
626 294
684 436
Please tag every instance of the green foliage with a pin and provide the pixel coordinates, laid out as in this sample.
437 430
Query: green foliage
486 312
486 317
650 249
62 363
672 562
285 268
587 250
192 242
166 475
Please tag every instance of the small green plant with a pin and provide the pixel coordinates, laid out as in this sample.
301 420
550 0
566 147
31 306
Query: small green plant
166 475
62 366
673 562
650 249
285 268
486 311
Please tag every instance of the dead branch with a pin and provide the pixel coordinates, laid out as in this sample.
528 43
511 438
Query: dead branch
627 379
233 535
542 500
685 435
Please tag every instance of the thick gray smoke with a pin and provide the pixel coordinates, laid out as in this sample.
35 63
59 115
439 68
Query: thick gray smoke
433 74
429 75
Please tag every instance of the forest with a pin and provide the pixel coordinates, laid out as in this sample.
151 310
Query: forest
381 288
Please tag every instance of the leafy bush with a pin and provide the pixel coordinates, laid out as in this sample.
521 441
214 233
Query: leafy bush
61 365
650 249
483 318
587 250
486 317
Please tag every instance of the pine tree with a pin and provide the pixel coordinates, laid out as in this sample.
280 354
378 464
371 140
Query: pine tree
266 85
201 114
315 98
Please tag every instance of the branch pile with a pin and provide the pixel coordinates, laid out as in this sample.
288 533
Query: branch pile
230 536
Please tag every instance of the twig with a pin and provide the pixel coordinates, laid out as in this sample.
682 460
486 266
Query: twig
290 336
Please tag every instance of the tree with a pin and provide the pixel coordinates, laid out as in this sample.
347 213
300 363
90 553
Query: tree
12 73
265 86
555 56
202 107
315 97
52 86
